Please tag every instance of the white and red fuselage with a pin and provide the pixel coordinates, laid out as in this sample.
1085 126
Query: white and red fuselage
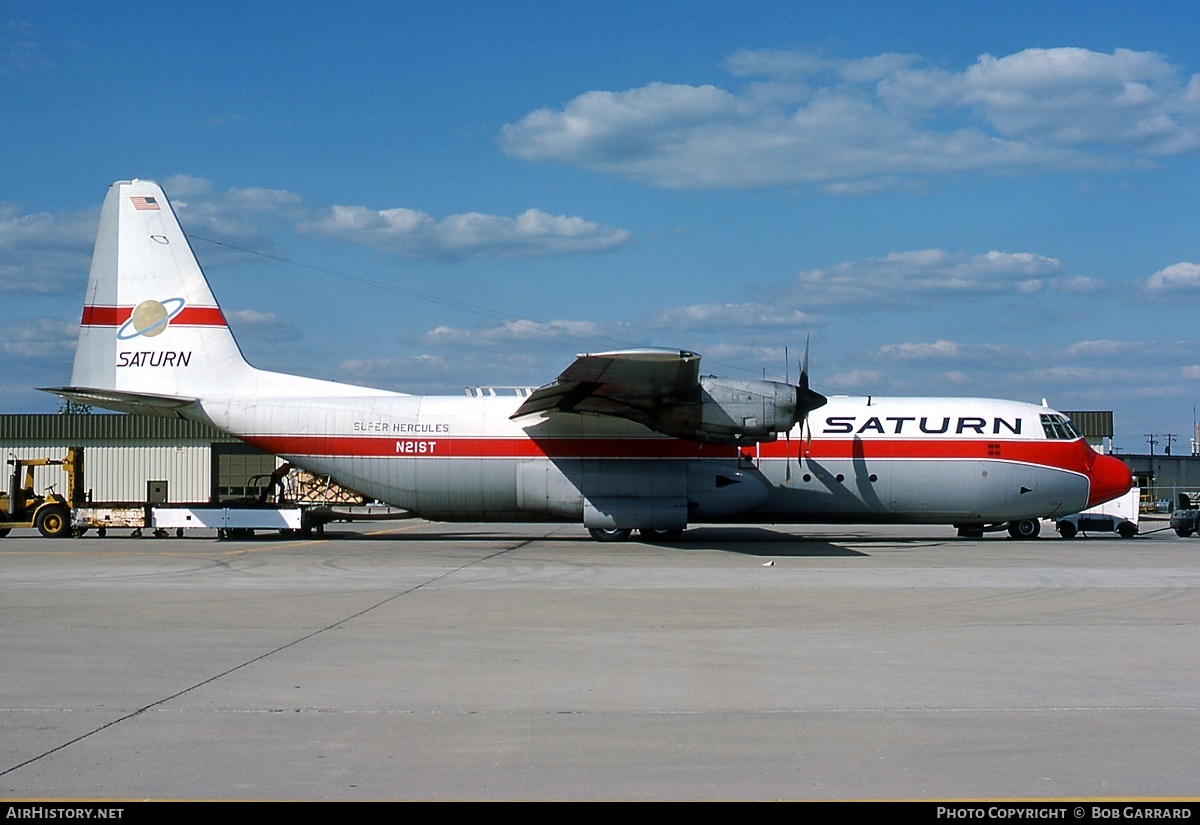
920 460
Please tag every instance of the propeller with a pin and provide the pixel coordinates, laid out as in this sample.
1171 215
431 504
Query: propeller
787 437
807 400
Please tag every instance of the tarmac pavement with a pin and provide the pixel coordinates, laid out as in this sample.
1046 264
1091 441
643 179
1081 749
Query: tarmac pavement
440 661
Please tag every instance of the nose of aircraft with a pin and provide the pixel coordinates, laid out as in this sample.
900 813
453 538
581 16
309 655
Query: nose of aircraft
1110 478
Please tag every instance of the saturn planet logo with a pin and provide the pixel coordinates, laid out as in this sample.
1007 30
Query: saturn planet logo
150 318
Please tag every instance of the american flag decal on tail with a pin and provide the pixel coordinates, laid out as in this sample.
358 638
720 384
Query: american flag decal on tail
142 203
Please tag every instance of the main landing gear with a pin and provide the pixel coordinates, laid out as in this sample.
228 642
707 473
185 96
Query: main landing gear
614 534
1025 528
610 534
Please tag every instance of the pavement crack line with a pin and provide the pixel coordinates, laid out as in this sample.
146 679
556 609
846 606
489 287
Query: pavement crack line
269 653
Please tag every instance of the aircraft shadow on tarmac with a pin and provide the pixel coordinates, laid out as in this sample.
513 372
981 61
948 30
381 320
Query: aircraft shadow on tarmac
749 541
759 541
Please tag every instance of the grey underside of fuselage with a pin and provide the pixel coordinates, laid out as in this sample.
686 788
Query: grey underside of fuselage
886 490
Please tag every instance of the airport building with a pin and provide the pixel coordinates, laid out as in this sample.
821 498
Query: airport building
1096 426
1163 477
138 458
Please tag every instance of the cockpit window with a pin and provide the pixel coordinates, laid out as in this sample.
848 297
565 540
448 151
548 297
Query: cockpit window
1060 427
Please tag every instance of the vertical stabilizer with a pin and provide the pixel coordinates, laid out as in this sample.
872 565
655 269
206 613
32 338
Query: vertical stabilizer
150 323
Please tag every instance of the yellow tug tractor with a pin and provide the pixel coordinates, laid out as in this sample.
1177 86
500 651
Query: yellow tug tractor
49 512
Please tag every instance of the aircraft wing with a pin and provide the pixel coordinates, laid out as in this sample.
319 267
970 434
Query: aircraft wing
633 384
664 391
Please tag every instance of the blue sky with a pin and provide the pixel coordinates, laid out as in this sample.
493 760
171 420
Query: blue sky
952 199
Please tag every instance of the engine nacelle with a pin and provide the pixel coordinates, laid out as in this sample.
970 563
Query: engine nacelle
734 411
746 410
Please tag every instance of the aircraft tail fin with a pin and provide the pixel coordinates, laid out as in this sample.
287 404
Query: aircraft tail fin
151 328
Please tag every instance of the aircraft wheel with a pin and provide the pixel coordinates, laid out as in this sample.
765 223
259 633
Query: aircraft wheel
311 525
1025 528
605 534
54 522
1183 532
1067 530
4 531
661 535
1127 529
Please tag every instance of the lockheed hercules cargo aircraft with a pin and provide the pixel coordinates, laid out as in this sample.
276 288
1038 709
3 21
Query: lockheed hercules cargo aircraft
620 441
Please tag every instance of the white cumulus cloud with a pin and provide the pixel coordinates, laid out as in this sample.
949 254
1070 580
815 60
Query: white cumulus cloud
1180 277
263 326
416 234
918 275
524 332
942 350
41 339
736 315
252 217
43 252
879 119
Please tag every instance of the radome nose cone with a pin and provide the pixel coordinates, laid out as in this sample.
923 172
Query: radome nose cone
1110 478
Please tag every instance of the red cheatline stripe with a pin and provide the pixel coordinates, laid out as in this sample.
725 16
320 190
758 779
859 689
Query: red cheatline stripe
200 317
105 316
102 316
1065 454
487 447
1050 453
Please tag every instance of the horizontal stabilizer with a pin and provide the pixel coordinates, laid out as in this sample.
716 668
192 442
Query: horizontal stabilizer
140 403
